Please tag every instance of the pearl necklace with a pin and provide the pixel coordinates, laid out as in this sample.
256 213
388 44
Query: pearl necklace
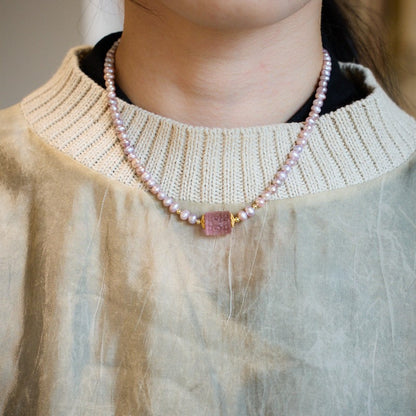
218 222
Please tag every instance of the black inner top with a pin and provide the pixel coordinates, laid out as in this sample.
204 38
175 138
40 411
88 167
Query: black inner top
341 90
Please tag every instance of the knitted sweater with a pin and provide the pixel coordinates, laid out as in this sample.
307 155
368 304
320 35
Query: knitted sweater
109 306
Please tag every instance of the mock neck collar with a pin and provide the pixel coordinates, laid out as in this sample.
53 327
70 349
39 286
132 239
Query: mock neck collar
349 146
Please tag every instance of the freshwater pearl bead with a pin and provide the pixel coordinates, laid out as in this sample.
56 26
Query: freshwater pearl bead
192 219
150 183
281 175
266 196
242 215
298 149
155 190
174 207
161 196
260 201
167 202
184 215
145 176
294 155
292 162
249 211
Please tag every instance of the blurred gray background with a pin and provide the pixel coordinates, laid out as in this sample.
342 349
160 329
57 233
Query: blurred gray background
35 36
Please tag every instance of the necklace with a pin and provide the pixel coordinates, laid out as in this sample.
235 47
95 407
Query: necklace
218 222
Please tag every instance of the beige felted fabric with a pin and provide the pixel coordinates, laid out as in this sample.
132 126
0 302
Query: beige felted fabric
109 306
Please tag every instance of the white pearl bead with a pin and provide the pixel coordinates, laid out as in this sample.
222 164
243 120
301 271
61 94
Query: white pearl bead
260 201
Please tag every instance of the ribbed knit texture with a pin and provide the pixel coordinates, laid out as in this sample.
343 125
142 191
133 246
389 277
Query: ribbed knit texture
221 166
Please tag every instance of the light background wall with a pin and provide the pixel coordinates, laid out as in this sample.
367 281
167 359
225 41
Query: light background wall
34 36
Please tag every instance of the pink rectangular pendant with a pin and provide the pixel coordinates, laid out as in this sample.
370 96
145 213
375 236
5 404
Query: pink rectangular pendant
217 223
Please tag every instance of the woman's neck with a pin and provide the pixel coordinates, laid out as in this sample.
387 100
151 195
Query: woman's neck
219 78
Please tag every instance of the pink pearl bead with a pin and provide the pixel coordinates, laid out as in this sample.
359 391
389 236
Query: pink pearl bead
167 202
155 190
192 219
272 189
184 215
260 201
266 196
298 149
140 170
249 211
281 175
294 155
301 142
150 183
161 196
174 207
131 157
292 162
242 215
145 176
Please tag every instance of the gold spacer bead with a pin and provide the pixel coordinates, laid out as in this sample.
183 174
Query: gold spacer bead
198 222
254 206
179 212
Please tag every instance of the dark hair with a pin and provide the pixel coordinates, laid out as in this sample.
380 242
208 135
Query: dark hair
354 33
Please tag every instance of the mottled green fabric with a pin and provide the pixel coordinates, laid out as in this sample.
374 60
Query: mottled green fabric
108 306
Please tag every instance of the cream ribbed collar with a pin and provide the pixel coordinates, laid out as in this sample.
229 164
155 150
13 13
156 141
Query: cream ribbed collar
352 145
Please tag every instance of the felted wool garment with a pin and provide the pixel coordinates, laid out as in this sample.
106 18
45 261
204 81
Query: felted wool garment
110 306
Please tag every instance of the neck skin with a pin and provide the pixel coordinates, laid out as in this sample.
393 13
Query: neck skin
219 78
